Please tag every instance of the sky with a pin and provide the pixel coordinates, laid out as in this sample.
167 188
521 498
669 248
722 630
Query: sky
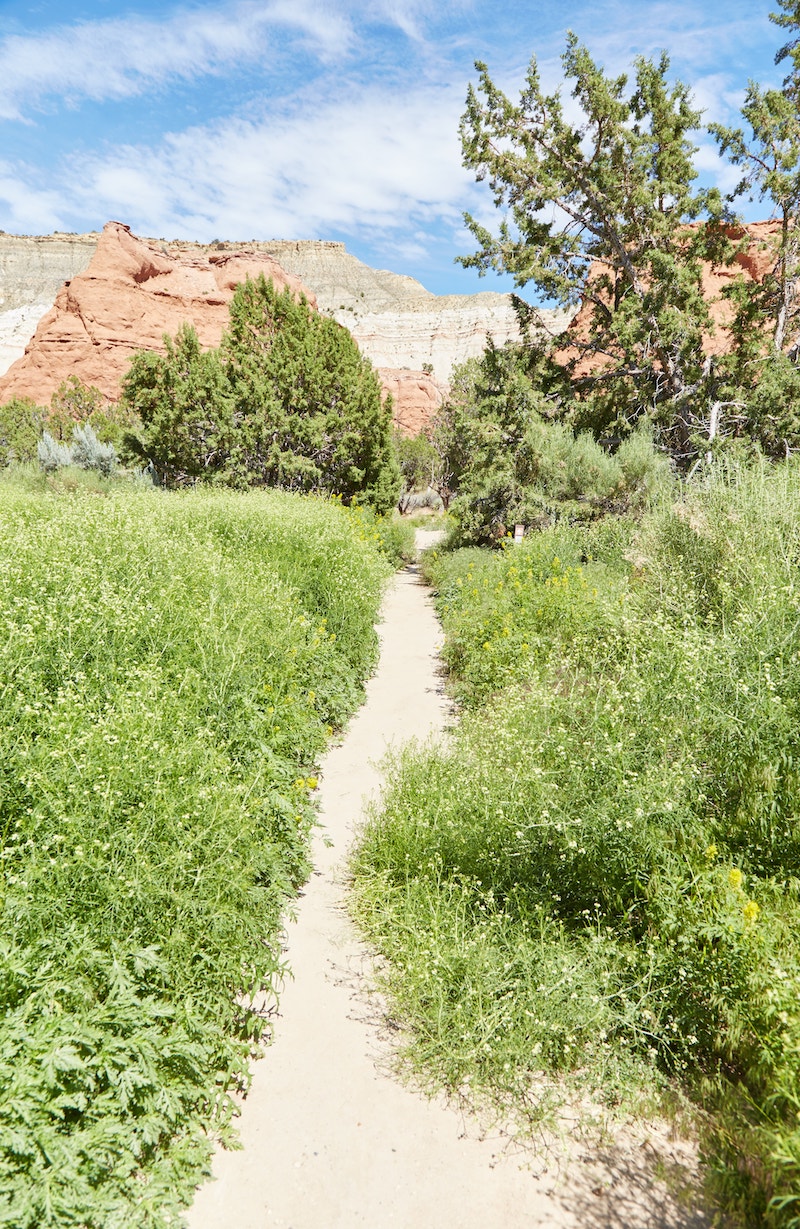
314 119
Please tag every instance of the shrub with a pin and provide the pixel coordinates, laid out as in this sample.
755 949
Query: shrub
172 669
52 455
88 453
598 873
21 426
287 401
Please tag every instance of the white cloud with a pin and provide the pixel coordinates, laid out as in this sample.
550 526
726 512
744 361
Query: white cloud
26 209
123 57
367 162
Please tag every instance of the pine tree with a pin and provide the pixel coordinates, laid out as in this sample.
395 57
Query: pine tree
286 401
604 213
183 400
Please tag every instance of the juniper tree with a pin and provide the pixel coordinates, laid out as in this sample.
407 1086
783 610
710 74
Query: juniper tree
603 212
287 400
183 401
309 414
766 323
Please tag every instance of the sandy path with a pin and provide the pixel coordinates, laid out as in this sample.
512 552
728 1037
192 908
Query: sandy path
329 1140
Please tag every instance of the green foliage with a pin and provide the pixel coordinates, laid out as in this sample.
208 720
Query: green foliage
75 404
619 184
773 407
21 426
597 876
184 403
286 401
419 467
171 668
508 462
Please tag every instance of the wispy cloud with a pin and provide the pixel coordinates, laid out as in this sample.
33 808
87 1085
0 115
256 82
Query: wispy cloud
28 209
123 57
357 162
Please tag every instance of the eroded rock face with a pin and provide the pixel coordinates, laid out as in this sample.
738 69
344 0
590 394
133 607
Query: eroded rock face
133 292
416 397
33 267
395 320
756 258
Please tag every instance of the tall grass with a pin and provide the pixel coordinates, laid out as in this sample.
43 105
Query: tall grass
170 669
598 878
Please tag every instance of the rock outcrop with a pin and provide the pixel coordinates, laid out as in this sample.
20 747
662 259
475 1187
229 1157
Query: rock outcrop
395 320
33 267
756 257
416 397
134 290
132 293
32 271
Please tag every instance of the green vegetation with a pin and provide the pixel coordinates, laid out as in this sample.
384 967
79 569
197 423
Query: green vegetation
501 458
171 669
596 879
286 401
73 406
602 212
625 243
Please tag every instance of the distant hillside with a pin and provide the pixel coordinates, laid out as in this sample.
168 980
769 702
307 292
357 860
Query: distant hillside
397 323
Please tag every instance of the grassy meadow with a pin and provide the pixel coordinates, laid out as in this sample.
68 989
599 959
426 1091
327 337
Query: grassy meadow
172 667
593 886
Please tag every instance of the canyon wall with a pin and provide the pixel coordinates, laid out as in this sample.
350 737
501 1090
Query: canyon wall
97 298
132 293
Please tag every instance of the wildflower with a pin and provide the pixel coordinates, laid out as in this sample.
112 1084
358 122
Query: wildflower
311 782
735 878
711 852
751 911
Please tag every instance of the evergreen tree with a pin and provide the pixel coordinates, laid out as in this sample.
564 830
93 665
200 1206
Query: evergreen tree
183 400
508 460
308 407
286 401
762 372
604 213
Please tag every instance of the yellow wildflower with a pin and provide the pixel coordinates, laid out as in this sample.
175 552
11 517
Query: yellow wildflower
711 852
751 911
735 878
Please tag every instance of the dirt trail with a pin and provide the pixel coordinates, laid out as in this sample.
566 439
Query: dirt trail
330 1141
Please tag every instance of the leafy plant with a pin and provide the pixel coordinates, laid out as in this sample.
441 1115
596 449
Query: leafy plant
21 426
172 668
596 876
88 453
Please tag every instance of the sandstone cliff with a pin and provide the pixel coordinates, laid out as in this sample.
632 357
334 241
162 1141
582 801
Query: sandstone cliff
396 322
132 293
757 256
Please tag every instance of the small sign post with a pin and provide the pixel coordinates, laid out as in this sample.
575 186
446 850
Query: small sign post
519 533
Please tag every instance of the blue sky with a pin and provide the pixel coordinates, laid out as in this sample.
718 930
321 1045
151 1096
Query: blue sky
300 119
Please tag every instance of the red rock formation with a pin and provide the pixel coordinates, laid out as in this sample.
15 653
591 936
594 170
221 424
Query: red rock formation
132 293
754 261
416 397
